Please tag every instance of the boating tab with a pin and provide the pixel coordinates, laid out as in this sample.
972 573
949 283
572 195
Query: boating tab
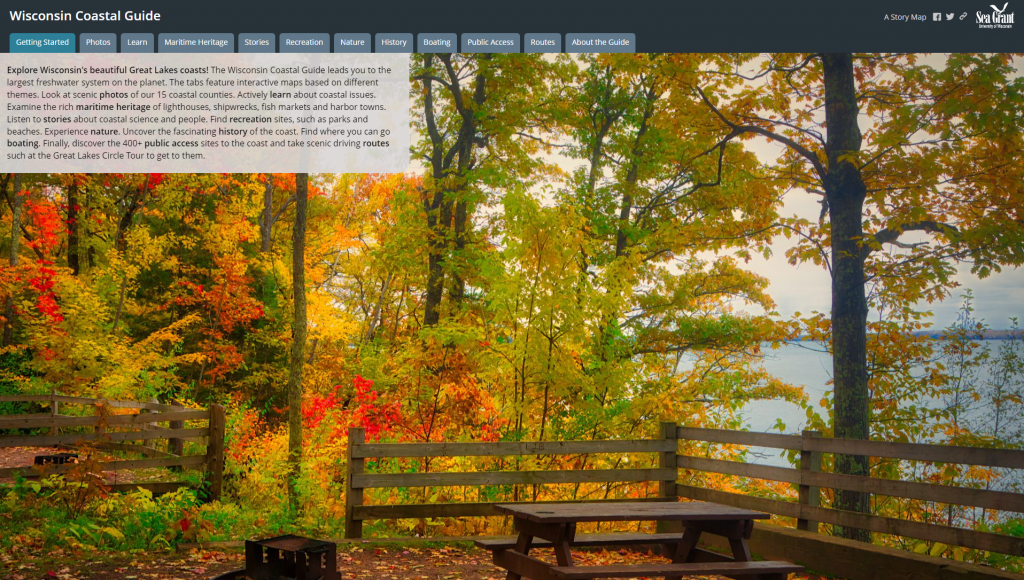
600 42
436 42
257 42
178 42
352 42
392 42
42 42
137 42
542 42
306 42
97 42
491 42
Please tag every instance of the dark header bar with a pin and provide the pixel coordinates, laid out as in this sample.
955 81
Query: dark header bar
740 26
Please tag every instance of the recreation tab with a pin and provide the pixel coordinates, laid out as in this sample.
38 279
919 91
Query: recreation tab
305 42
491 42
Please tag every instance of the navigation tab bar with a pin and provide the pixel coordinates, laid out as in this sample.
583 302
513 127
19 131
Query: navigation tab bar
257 42
392 42
137 42
352 42
178 42
305 42
576 43
97 42
491 42
542 42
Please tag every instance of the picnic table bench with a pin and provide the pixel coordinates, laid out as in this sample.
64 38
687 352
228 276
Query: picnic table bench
554 526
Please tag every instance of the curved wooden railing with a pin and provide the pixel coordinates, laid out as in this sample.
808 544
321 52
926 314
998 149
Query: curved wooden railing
114 431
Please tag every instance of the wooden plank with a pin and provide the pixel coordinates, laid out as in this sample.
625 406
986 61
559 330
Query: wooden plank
989 499
130 448
367 480
585 541
47 440
662 569
109 465
134 419
628 512
457 510
87 401
809 494
852 560
1010 458
214 450
919 530
497 449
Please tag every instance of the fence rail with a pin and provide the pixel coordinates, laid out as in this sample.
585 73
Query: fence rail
357 481
143 426
810 479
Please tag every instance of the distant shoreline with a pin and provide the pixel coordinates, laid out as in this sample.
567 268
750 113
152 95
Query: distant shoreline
940 334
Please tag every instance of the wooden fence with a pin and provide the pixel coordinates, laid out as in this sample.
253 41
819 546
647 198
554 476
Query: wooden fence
357 481
115 431
810 479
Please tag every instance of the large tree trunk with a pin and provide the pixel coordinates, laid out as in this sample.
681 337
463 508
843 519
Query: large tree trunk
298 337
15 239
845 190
73 260
439 218
267 220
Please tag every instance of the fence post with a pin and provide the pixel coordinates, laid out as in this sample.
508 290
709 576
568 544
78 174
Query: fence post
54 411
667 487
215 451
176 446
809 495
353 494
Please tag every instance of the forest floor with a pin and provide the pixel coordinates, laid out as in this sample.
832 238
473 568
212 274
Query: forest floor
354 562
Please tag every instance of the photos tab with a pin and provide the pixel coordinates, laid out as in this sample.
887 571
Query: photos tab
306 42
491 42
600 42
177 42
542 42
97 42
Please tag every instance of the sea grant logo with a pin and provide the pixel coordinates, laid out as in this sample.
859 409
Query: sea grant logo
998 18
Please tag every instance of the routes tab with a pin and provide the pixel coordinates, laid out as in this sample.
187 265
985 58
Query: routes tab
491 42
542 42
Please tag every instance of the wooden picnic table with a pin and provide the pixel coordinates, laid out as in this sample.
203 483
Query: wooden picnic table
553 525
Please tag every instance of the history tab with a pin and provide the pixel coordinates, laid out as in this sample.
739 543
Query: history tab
352 42
393 42
436 42
97 42
600 42
178 42
306 42
257 42
491 42
542 42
